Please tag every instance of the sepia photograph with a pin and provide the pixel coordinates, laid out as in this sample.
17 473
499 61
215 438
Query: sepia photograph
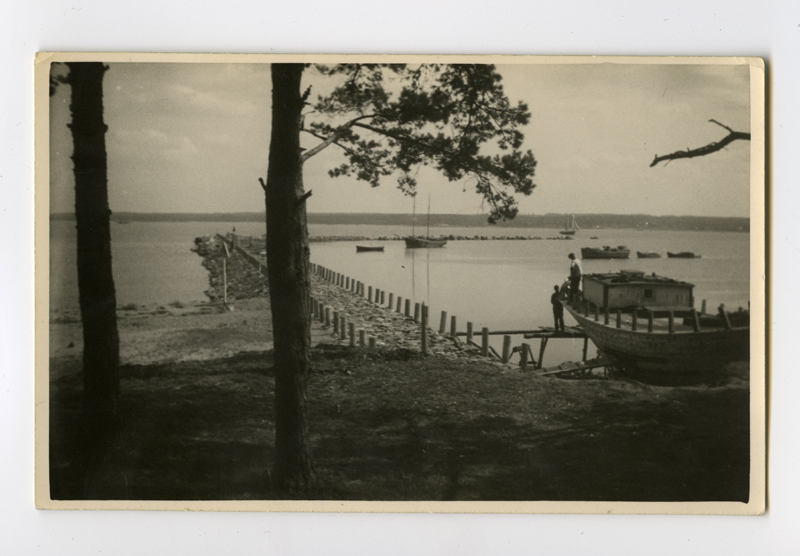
401 283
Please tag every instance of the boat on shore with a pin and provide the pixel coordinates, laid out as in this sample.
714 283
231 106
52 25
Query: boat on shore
570 226
682 255
606 252
368 248
647 255
635 320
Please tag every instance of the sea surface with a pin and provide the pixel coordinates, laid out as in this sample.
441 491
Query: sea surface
499 284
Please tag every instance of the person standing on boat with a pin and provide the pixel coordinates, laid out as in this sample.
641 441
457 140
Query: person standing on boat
575 273
558 310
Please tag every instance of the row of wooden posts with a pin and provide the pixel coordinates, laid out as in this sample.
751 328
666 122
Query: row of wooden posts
344 329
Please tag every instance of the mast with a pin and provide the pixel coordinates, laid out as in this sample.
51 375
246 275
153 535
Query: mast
414 215
428 231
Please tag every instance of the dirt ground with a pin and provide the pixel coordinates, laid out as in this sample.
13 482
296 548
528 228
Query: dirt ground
197 405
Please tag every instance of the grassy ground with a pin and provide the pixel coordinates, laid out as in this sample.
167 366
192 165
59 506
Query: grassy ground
393 425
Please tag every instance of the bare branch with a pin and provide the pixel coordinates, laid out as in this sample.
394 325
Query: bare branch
707 149
333 138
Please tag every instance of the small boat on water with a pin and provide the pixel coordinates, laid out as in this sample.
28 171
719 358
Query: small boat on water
647 255
682 255
648 326
620 252
423 242
413 242
570 226
367 248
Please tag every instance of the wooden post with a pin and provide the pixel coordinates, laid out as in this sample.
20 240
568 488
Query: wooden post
342 328
485 342
596 313
225 281
369 294
322 310
605 316
391 298
408 307
327 316
671 322
469 332
399 304
703 308
336 322
377 296
416 312
347 283
619 318
542 346
362 335
424 330
443 322
650 321
523 357
633 322
453 326
695 321
352 334
506 348
372 342
585 347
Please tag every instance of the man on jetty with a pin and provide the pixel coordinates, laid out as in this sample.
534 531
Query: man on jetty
558 310
575 273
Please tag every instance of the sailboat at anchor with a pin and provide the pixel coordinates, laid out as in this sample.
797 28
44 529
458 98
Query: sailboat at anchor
570 226
426 242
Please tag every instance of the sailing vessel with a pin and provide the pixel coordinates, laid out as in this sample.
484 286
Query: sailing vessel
643 344
368 248
648 255
413 242
682 255
570 226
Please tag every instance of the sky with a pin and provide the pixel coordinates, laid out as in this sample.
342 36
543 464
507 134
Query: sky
195 138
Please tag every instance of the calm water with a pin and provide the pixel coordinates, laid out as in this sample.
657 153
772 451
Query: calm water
499 284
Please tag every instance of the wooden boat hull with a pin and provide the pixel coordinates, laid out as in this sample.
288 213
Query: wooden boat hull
682 255
423 243
594 253
643 255
567 232
679 357
366 248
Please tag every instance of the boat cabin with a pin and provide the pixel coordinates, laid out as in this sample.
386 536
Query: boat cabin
629 289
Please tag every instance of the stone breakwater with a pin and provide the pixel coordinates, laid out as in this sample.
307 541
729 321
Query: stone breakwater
389 328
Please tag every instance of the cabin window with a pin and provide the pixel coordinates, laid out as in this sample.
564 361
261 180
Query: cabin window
648 293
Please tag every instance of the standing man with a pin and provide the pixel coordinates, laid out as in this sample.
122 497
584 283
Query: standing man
558 310
575 273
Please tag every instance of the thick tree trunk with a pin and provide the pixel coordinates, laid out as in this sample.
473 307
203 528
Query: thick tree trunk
98 302
289 283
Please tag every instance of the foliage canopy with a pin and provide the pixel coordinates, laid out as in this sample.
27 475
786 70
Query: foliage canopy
393 119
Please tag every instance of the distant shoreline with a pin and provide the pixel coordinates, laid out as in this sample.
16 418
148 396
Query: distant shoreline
554 221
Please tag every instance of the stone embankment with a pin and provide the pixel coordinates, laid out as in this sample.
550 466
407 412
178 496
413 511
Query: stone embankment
390 329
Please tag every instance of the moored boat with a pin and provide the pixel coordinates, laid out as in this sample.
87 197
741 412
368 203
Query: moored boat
366 248
570 226
423 242
606 252
647 255
682 255
631 318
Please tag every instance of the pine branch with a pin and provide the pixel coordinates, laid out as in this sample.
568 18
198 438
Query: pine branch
707 149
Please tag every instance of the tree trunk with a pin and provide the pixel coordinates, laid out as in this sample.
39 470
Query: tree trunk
98 302
289 283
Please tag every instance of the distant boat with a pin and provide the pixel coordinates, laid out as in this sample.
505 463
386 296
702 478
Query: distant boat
426 242
648 255
606 252
367 248
594 237
570 226
682 255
